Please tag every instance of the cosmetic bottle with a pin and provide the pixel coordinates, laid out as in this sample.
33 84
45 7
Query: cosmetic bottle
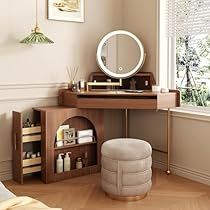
67 162
59 164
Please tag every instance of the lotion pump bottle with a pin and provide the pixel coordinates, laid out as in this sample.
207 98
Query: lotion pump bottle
59 163
67 162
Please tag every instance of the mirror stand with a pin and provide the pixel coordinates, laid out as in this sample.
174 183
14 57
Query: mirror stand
107 84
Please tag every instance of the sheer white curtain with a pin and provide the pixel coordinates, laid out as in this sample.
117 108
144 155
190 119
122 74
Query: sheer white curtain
187 17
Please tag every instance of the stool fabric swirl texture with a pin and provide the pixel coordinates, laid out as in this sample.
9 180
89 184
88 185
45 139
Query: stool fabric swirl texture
126 168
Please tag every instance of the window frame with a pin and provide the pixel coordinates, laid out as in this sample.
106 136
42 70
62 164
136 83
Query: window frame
166 71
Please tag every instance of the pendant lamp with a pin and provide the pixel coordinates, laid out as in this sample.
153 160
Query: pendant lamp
36 37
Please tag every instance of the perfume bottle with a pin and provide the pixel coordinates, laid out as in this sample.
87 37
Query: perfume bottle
79 163
73 86
85 160
82 85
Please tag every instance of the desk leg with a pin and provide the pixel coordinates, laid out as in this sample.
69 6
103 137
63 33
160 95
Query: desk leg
126 123
168 141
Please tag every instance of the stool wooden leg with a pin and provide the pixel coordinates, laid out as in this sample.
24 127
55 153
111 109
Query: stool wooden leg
168 141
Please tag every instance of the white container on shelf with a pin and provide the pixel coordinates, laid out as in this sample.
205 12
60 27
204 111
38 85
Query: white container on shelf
59 163
67 162
79 163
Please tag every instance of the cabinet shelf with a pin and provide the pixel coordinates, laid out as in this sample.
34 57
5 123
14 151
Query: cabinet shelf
32 169
75 145
31 130
31 161
76 172
31 138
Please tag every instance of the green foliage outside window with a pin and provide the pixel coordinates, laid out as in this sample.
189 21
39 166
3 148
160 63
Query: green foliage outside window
193 69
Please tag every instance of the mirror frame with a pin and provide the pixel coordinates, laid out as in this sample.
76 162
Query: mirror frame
131 72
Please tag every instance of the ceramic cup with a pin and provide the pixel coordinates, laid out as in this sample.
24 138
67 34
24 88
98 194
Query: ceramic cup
164 90
156 88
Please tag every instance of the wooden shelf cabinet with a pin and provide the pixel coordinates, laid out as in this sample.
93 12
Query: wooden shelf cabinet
24 138
80 119
50 119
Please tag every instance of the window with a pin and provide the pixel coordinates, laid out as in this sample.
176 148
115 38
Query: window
193 69
186 43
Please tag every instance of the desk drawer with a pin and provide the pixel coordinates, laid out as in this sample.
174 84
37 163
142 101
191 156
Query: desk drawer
111 103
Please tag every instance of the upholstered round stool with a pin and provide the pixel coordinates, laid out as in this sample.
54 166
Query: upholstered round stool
126 168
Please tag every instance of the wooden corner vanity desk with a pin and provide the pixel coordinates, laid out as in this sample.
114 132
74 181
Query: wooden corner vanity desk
121 99
120 55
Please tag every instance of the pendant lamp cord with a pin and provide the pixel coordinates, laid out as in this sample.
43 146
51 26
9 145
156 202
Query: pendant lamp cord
36 30
36 13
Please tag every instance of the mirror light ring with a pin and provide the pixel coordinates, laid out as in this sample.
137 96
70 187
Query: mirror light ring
105 69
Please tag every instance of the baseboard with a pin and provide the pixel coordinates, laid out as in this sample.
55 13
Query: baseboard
5 170
184 172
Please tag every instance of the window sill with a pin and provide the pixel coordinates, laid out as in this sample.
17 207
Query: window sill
200 114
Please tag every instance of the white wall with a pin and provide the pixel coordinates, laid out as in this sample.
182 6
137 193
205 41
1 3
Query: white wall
139 17
75 43
32 75
189 137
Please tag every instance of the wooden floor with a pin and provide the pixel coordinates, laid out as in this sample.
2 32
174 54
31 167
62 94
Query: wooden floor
84 193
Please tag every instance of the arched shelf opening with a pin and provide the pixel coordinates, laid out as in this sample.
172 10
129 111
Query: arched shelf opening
77 135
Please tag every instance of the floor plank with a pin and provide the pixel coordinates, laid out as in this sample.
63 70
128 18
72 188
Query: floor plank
84 193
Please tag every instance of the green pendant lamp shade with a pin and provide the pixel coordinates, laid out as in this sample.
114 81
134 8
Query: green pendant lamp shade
36 37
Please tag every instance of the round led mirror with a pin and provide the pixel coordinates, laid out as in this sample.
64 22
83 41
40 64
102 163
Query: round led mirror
120 54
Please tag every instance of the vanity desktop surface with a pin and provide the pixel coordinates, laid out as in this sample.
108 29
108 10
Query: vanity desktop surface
119 99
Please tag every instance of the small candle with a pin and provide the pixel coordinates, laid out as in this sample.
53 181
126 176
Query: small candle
33 156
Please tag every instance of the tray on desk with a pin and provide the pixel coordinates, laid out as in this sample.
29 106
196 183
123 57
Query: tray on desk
143 81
